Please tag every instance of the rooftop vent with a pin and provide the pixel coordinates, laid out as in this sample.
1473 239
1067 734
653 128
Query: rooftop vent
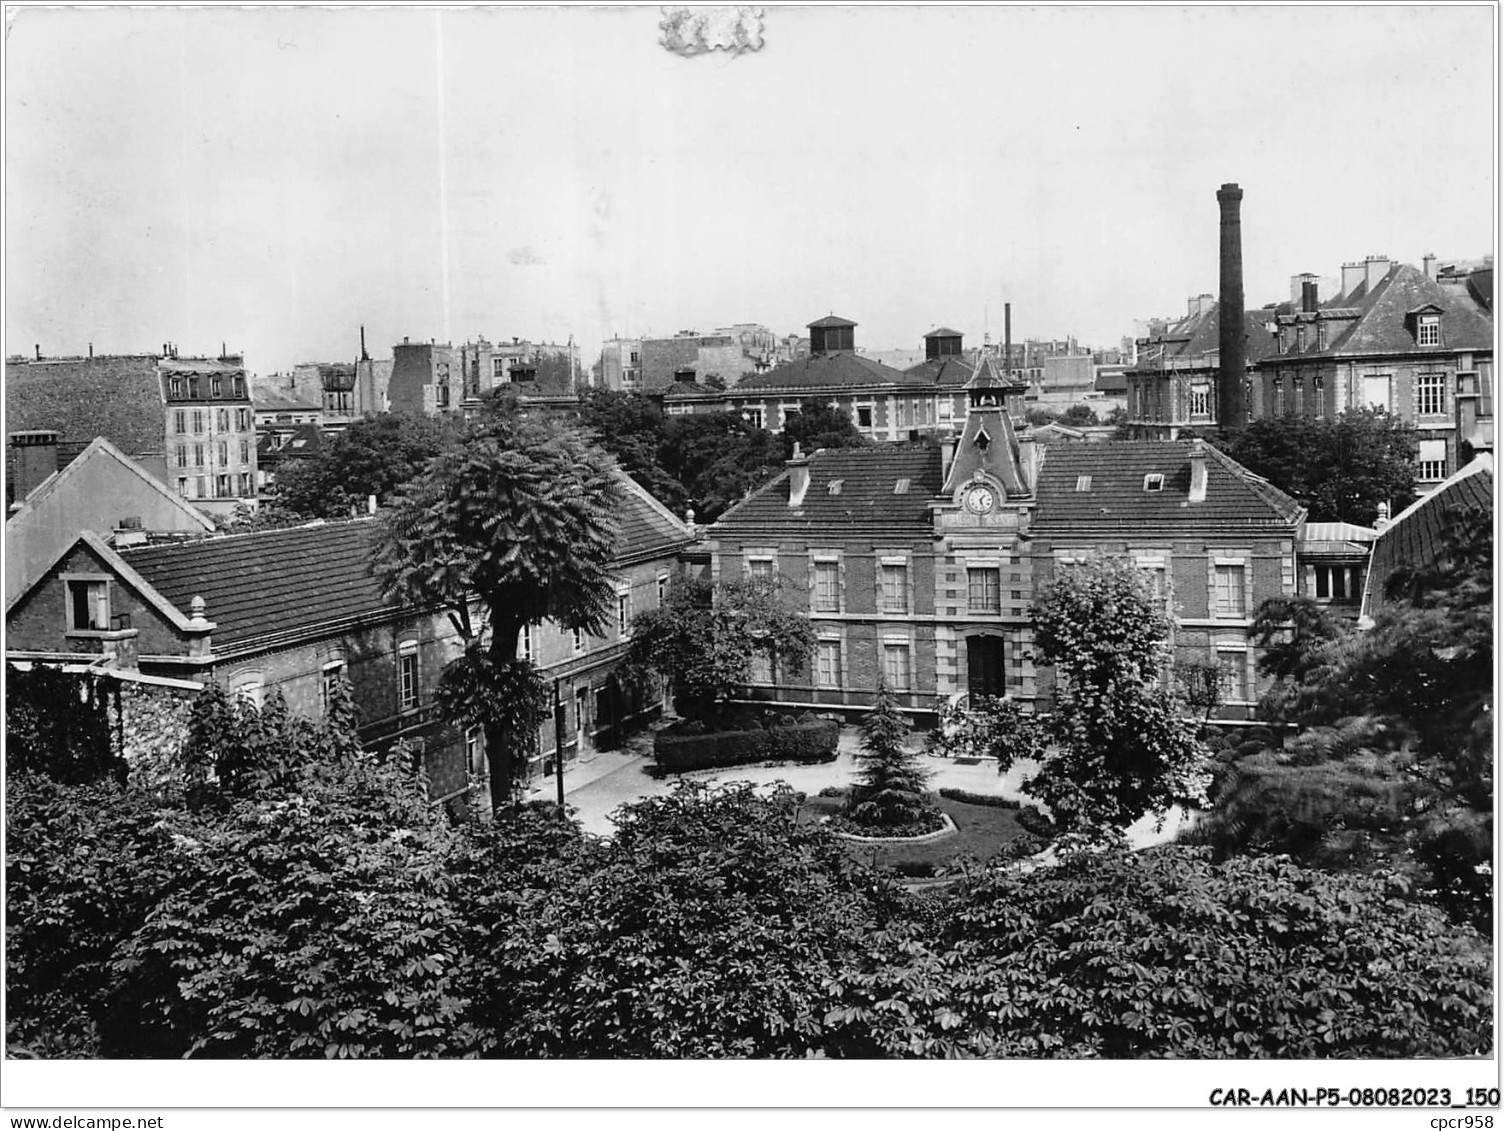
834 487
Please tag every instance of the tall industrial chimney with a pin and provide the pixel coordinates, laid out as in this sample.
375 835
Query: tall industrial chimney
1231 411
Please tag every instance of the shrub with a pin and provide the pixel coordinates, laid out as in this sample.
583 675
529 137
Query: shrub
810 741
1248 749
1262 735
967 797
1032 820
835 791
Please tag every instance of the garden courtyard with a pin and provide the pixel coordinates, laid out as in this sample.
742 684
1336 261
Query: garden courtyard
596 787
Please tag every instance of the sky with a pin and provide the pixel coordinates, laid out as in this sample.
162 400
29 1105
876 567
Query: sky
275 179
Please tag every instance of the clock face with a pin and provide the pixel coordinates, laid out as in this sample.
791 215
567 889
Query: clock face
979 499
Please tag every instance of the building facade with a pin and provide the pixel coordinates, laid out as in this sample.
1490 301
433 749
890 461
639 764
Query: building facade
919 562
188 421
184 611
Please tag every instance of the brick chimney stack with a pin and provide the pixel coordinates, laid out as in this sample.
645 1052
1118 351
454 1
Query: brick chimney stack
1231 411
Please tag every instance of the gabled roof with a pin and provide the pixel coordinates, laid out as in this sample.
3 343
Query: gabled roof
826 371
275 584
1382 328
830 321
1414 536
95 492
1117 498
865 502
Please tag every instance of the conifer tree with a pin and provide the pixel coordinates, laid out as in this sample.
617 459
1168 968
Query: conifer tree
890 787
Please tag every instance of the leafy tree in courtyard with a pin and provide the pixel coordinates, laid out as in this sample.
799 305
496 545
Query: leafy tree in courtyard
1200 682
1122 748
991 727
819 424
890 785
1341 469
634 430
1393 765
59 724
704 638
515 518
373 456
719 457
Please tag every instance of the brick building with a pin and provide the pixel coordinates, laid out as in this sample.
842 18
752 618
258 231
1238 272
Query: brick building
437 378
292 609
920 561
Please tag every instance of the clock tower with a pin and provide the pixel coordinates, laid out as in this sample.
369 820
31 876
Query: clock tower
983 639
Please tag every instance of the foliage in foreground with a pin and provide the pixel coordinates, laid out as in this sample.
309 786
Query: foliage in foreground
342 920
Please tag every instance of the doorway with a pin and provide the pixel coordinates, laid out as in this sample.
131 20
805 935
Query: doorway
583 722
984 666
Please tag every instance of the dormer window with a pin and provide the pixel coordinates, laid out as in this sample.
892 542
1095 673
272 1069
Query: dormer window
834 487
984 441
1154 481
1428 330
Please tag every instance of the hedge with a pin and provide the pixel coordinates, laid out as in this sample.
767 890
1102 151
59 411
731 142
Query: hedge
810 741
967 797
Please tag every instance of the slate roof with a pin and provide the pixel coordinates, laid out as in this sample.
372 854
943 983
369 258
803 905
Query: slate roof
1116 498
274 582
278 583
827 371
117 397
866 501
829 321
944 332
1193 340
1414 537
953 369
268 399
1382 328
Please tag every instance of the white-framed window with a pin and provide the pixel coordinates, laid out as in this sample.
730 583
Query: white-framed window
88 604
1201 399
182 455
896 665
1375 391
1230 597
752 414
662 589
894 579
223 448
180 421
407 675
249 687
577 640
827 596
984 590
222 417
1154 481
1157 572
864 416
1430 394
245 451
329 676
1431 460
183 488
1428 330
828 663
525 644
624 612
499 368
1232 671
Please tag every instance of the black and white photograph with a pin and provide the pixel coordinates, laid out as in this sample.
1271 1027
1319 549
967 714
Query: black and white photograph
955 540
